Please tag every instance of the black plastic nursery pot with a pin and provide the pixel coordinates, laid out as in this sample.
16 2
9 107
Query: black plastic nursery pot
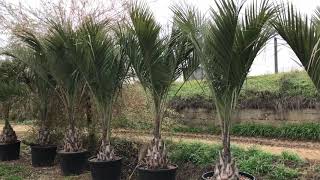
73 163
157 174
245 176
10 151
102 170
42 156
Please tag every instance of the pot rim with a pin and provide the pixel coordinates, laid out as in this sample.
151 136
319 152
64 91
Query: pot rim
241 173
3 144
141 168
78 152
43 146
91 160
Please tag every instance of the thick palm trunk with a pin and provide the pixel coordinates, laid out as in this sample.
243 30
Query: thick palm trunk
226 142
106 152
44 133
157 125
157 119
6 111
225 168
90 125
73 139
8 134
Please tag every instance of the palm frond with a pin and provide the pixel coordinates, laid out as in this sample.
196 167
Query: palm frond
104 67
302 35
158 59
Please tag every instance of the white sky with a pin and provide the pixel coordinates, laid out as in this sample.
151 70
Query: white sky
263 64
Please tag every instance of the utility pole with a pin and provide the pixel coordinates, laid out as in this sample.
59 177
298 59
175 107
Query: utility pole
275 56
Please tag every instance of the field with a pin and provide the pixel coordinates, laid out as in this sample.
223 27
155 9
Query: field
193 153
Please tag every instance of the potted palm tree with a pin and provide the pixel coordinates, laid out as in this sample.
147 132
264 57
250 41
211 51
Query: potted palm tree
227 44
65 50
303 36
104 68
158 59
10 89
34 55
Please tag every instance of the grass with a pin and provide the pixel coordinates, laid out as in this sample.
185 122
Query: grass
12 172
254 161
303 131
292 84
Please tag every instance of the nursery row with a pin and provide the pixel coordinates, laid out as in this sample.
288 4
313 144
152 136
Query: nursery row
76 63
193 159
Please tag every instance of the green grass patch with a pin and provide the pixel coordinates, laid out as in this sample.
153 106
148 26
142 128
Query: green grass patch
252 160
305 131
12 172
291 84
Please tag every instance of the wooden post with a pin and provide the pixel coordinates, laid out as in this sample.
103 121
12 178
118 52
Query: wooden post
275 56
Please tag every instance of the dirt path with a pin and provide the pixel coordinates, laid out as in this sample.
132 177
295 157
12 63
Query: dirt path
305 149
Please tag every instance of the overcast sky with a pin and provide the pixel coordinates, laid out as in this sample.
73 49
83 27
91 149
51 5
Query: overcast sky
263 64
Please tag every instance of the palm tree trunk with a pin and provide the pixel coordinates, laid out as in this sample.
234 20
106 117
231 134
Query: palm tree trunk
226 141
157 122
225 168
90 125
106 122
6 110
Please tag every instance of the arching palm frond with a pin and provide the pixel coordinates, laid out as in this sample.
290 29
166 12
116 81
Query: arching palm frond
158 59
11 85
65 50
303 38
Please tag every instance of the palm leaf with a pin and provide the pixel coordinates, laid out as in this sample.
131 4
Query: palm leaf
302 35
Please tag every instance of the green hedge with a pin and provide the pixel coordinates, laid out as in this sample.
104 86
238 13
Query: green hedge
305 131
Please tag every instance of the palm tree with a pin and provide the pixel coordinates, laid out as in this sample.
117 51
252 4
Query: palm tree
33 54
158 59
303 36
227 44
104 68
65 50
10 89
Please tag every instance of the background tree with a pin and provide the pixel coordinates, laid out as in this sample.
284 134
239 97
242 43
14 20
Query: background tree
227 44
158 59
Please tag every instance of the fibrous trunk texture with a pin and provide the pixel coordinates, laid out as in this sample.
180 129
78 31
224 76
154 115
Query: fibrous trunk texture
106 152
225 169
155 156
44 136
72 140
90 125
8 134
